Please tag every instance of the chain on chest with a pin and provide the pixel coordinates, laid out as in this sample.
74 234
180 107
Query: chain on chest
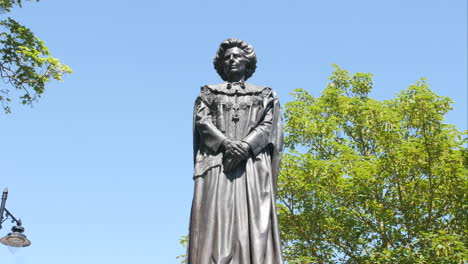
235 104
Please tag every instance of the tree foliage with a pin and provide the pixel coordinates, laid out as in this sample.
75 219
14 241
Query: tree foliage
183 240
25 62
366 181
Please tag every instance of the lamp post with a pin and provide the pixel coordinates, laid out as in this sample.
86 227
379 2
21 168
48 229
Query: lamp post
16 238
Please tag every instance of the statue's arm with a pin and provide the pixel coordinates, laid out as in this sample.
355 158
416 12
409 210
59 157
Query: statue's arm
211 137
259 137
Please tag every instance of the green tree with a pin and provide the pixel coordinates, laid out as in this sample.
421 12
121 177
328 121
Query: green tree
366 181
25 63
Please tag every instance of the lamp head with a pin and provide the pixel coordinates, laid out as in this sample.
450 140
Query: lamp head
16 238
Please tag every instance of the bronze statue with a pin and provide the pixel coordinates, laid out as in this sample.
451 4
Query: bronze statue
238 139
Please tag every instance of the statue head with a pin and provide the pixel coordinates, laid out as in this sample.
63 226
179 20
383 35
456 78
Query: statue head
235 46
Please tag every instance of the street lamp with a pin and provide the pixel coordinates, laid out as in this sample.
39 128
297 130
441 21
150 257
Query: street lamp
16 238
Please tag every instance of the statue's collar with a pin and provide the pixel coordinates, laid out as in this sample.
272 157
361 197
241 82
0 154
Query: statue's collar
235 87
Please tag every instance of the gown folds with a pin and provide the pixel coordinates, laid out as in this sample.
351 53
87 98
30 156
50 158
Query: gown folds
233 218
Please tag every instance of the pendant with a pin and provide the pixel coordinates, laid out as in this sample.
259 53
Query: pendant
235 117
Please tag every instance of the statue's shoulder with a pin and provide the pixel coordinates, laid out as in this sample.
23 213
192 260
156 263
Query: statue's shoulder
214 88
256 89
264 91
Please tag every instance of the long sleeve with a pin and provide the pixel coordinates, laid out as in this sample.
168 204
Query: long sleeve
210 136
259 138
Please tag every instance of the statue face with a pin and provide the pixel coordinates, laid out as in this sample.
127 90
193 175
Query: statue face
235 62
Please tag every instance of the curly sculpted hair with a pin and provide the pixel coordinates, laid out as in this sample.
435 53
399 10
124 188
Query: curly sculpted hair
249 54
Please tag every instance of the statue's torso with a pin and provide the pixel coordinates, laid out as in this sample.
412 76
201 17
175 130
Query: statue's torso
235 110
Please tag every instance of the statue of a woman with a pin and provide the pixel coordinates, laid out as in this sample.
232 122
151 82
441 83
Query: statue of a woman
238 141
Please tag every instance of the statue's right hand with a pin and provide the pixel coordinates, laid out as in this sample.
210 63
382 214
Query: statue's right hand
230 162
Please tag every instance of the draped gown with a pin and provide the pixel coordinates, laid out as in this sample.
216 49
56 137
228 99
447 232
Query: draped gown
233 217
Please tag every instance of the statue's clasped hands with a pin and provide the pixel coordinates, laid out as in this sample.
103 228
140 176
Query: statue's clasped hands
235 151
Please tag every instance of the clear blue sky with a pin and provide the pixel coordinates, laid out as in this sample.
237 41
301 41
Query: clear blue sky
100 169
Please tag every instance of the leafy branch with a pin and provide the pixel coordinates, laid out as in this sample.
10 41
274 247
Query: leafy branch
26 65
